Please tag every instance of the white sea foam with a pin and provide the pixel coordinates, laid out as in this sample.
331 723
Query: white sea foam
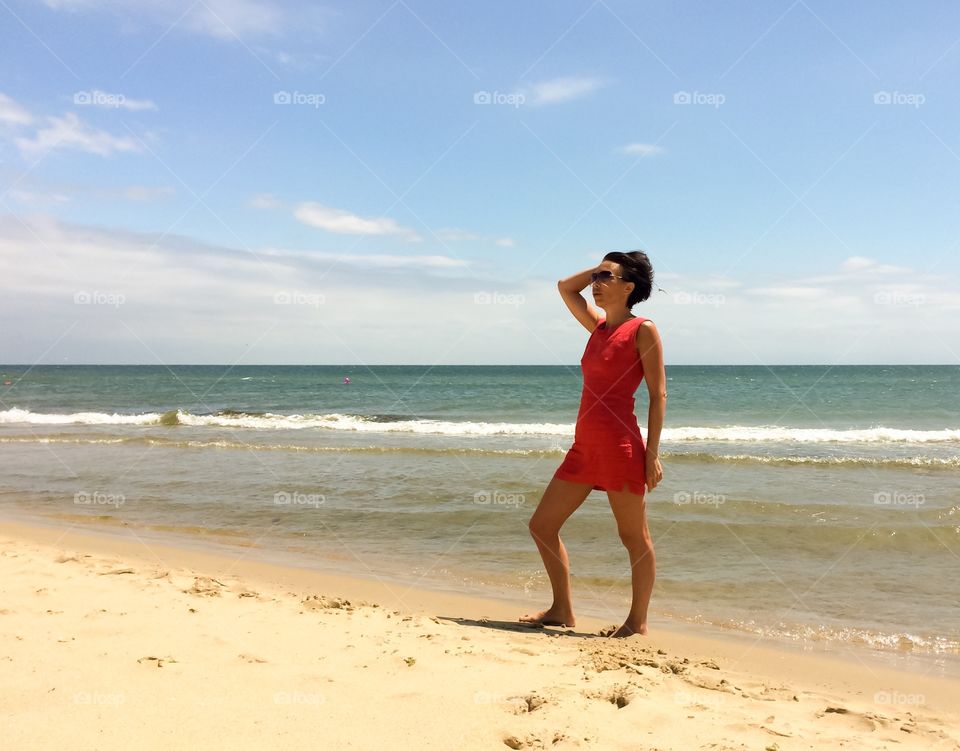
357 423
76 418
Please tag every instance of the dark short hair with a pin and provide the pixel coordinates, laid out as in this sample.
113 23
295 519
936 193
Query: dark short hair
637 269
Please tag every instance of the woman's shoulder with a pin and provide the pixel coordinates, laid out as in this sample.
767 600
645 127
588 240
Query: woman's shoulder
646 332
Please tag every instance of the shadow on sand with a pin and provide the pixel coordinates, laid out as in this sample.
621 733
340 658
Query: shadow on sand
519 627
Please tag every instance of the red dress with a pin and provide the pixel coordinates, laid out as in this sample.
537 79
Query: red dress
608 449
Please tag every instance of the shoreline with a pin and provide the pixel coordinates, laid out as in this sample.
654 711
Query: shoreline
255 561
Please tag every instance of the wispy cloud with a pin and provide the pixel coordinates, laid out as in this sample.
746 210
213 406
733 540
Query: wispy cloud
32 198
32 192
140 193
70 132
641 149
369 260
51 133
453 234
223 19
190 301
12 113
264 201
789 292
861 263
292 60
344 223
557 90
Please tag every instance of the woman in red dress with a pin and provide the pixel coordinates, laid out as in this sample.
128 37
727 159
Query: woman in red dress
608 451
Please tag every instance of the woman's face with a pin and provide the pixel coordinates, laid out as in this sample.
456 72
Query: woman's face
611 293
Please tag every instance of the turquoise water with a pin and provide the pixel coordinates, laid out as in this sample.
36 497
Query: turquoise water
811 503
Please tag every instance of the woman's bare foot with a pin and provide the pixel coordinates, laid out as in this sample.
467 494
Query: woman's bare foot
628 630
551 617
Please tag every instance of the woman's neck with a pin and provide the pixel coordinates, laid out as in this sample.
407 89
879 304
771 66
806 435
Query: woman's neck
615 319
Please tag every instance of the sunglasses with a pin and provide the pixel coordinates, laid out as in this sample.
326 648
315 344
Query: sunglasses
603 276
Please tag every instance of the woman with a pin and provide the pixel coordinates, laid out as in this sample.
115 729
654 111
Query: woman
608 451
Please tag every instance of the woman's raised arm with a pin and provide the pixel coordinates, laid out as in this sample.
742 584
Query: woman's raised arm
570 289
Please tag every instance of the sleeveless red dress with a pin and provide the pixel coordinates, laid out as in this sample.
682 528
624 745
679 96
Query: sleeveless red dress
608 449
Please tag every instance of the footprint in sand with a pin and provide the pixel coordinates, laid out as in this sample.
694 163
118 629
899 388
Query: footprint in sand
711 683
620 694
531 741
204 586
319 602
524 704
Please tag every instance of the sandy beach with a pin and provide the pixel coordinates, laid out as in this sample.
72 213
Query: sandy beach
111 642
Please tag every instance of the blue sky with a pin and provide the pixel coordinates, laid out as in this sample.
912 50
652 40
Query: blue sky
404 182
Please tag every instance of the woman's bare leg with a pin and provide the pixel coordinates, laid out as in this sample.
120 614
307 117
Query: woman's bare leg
630 510
559 501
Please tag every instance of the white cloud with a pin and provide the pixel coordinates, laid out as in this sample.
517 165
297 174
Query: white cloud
858 262
370 260
189 301
264 201
231 18
345 223
565 89
223 19
701 283
788 292
294 60
141 193
12 113
861 263
641 149
452 234
887 268
70 132
31 198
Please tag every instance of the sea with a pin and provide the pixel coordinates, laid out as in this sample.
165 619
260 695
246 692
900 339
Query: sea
817 505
